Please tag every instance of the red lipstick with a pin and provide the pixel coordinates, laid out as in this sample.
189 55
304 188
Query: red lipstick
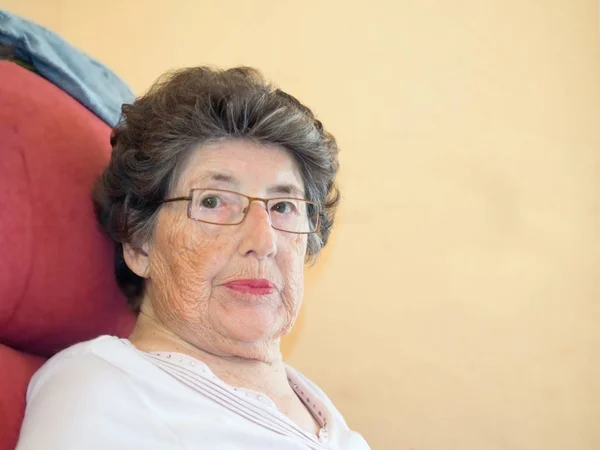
252 286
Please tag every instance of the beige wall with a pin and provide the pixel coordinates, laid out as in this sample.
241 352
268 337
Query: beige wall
457 305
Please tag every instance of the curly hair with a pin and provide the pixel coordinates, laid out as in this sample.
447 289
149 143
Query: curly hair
192 107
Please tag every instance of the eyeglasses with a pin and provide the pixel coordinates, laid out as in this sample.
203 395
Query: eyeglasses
221 207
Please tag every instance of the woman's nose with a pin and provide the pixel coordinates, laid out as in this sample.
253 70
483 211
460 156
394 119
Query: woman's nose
259 237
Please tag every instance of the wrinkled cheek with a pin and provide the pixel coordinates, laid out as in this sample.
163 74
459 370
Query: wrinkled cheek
293 261
203 247
292 301
174 286
299 244
183 277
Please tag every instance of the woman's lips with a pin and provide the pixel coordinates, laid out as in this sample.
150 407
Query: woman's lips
252 286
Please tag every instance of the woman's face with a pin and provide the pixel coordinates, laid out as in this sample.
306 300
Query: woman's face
198 273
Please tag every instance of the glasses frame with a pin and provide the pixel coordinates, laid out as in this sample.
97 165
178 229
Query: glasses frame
265 201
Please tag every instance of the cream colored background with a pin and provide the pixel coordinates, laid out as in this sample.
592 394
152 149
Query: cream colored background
457 305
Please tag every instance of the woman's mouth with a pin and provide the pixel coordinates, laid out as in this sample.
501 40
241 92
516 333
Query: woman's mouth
252 286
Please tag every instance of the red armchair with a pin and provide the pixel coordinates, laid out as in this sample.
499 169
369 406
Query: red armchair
56 266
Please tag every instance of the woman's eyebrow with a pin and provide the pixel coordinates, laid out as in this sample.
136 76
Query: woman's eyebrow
216 176
287 189
276 189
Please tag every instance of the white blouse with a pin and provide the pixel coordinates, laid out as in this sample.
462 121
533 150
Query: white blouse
105 394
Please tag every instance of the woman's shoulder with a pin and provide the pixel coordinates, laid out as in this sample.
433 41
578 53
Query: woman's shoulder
96 360
92 382
100 345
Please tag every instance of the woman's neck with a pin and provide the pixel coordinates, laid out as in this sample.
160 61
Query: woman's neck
257 374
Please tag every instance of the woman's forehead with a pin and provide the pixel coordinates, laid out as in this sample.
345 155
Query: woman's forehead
243 166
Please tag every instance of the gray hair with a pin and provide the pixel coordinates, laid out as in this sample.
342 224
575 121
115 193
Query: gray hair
192 107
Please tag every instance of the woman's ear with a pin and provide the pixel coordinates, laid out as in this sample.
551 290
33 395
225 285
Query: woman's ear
136 259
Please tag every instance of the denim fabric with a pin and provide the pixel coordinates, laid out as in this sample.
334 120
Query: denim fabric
82 77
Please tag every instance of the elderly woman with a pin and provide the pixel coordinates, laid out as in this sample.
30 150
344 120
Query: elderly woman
218 191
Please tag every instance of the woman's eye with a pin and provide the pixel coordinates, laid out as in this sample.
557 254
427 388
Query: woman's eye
211 202
283 207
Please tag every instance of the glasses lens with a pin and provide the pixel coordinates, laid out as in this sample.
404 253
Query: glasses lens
218 207
293 215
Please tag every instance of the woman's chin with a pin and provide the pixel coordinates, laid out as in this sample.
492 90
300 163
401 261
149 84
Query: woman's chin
252 326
